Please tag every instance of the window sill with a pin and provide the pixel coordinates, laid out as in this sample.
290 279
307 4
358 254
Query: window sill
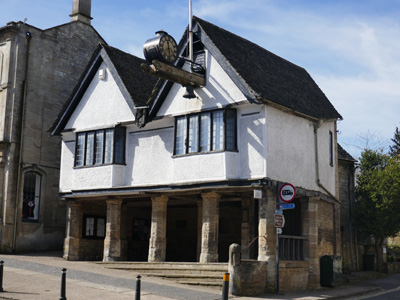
95 166
30 221
201 153
93 238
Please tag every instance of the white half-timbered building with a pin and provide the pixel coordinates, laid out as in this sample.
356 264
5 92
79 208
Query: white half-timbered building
149 175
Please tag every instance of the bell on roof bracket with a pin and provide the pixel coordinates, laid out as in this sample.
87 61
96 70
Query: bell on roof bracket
189 94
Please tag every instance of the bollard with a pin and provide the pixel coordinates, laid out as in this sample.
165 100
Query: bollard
63 281
137 295
225 287
1 276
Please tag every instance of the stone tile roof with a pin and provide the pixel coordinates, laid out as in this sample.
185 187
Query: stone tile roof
344 155
137 83
269 77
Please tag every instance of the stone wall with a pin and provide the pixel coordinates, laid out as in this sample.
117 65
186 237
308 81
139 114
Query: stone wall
326 237
348 234
47 64
293 275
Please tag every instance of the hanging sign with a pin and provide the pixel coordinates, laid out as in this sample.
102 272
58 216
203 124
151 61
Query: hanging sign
257 194
287 192
279 221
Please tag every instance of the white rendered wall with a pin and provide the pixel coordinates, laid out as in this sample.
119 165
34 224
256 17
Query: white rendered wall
218 93
252 141
327 172
291 154
67 162
101 106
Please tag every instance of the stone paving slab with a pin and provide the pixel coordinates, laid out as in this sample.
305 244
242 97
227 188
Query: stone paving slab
38 277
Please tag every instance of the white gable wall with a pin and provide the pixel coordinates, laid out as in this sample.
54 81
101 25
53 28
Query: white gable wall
291 153
102 105
219 92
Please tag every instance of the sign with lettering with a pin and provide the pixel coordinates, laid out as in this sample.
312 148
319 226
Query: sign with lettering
287 192
279 221
286 206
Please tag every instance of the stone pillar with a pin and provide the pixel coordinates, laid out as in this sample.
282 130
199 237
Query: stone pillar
158 234
245 230
336 211
74 231
199 227
267 235
311 232
112 241
209 233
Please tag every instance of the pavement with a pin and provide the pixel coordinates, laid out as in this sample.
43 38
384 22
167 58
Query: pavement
38 276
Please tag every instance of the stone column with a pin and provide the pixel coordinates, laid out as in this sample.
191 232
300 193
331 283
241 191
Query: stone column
311 233
158 234
209 233
199 227
336 211
267 235
74 231
245 230
112 241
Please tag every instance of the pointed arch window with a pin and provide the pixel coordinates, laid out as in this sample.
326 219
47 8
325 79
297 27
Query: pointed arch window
31 196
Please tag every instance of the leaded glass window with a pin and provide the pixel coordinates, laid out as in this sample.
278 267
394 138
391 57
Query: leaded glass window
31 196
106 146
206 131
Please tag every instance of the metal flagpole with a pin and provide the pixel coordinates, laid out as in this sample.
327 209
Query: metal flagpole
190 32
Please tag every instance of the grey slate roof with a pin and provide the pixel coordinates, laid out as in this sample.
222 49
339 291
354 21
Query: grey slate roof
137 83
268 76
344 155
262 76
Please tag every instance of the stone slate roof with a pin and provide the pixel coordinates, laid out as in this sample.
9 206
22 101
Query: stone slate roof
135 85
267 76
344 155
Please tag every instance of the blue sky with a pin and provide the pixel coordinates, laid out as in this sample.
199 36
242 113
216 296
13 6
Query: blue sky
351 48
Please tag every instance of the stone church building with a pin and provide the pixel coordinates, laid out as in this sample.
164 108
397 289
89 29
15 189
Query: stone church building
38 70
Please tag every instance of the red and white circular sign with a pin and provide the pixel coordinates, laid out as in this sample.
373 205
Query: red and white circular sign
287 192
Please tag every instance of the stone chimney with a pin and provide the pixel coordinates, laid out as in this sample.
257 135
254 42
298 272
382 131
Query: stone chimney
81 10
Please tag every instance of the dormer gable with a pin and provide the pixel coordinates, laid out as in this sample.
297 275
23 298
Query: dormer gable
261 76
125 78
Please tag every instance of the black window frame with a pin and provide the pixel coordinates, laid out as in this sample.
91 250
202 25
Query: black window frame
95 225
229 120
29 207
118 147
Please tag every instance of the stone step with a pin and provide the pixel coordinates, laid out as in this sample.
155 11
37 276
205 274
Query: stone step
168 268
189 277
210 274
210 283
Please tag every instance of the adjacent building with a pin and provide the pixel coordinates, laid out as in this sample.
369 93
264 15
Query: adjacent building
38 71
350 248
150 175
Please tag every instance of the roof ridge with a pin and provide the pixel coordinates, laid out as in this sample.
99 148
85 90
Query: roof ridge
248 41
